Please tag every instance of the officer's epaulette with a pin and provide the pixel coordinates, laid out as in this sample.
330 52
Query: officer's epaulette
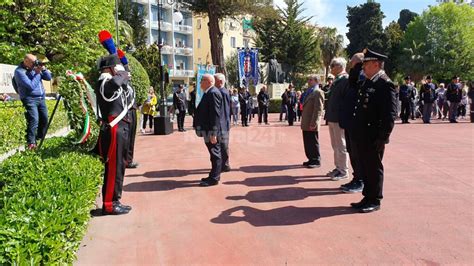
385 77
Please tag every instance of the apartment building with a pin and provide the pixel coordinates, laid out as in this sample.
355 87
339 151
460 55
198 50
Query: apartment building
177 37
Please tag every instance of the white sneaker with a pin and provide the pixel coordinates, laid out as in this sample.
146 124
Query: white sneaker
142 130
332 173
339 176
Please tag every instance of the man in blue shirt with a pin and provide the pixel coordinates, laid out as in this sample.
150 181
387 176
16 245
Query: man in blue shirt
28 77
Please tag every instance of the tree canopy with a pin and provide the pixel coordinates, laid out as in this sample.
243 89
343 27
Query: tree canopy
134 15
406 16
66 32
442 41
365 28
331 45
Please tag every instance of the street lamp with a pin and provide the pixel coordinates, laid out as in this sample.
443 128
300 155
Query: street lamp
163 125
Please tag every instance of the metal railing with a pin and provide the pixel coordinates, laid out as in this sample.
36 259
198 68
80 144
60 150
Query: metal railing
183 28
181 73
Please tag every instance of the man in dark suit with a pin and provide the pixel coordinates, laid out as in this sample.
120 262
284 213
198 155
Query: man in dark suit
224 120
263 101
207 123
374 119
179 103
244 99
406 96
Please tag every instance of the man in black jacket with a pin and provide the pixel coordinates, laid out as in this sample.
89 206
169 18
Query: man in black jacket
244 100
374 117
224 120
454 96
179 103
428 97
207 123
406 96
263 100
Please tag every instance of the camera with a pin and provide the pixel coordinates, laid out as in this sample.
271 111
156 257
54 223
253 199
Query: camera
38 63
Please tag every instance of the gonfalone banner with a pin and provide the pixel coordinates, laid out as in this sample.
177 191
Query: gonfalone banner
248 66
202 69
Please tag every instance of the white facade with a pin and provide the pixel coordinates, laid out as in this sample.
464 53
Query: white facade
177 51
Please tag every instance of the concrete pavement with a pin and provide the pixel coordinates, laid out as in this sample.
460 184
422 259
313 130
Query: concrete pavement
271 211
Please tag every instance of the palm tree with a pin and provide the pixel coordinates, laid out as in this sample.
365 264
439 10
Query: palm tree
331 45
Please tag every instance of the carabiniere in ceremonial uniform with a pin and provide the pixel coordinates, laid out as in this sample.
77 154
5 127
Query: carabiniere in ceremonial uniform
113 140
374 116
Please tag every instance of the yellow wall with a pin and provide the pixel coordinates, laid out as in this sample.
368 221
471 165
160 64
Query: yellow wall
229 27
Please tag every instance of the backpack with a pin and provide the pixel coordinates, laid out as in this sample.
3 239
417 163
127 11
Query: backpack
15 86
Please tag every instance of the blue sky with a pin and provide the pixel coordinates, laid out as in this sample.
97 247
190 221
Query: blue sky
333 12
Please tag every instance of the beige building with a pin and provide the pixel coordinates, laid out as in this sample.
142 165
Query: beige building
236 35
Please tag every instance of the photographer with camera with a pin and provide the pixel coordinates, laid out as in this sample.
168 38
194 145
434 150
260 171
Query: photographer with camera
28 78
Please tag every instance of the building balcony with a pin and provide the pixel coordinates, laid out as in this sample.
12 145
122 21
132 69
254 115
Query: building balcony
167 49
187 51
180 73
165 26
183 28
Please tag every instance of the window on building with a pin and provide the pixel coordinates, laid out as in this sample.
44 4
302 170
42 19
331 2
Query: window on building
233 43
198 24
246 43
199 43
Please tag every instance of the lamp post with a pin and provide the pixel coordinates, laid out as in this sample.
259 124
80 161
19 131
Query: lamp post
177 17
163 125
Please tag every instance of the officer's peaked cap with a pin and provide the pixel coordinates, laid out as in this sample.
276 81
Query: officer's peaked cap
109 61
370 55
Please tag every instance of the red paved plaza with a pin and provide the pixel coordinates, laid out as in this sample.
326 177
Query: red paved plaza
271 211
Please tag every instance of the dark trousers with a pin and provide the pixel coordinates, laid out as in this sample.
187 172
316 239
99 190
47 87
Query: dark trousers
244 114
113 147
181 116
263 111
453 111
406 111
351 147
132 114
291 114
311 146
371 169
215 153
427 109
299 113
284 110
36 119
224 141
149 118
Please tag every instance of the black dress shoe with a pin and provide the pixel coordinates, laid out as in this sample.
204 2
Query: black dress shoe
226 169
370 207
359 204
126 207
208 182
132 165
116 210
306 163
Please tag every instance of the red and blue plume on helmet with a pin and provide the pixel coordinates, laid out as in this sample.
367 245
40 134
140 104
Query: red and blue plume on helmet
123 58
107 41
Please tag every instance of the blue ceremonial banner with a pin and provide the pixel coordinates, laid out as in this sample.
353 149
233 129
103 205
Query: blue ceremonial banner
248 66
202 69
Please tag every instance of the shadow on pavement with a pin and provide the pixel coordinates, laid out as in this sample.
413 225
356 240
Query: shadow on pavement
268 168
171 173
285 194
277 180
289 215
159 185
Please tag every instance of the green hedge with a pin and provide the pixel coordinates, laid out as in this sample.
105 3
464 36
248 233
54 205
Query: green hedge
275 106
45 203
13 123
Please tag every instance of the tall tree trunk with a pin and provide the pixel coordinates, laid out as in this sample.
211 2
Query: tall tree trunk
215 34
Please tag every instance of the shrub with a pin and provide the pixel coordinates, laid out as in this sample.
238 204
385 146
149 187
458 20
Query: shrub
45 202
13 123
275 106
140 79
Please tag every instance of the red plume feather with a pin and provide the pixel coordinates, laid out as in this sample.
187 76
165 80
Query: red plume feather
120 53
104 35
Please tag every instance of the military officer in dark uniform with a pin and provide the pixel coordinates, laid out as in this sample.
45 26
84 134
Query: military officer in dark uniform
428 96
179 103
244 99
132 115
114 134
263 100
406 96
374 114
